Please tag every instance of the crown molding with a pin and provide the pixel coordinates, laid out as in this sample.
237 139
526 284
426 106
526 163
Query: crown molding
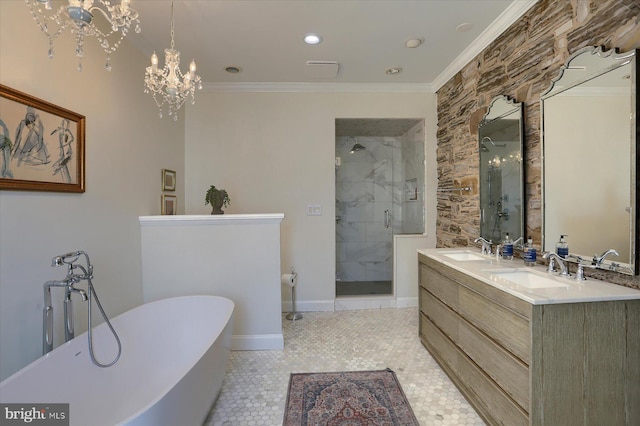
320 87
510 15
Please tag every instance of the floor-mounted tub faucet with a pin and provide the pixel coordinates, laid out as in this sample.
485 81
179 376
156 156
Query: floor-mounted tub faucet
68 283
75 273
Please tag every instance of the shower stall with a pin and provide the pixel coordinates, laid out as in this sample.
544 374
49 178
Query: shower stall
379 193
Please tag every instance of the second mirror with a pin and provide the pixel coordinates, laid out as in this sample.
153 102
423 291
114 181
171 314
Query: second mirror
501 172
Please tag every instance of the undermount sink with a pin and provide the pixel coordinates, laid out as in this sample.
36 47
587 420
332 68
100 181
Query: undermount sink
527 279
464 255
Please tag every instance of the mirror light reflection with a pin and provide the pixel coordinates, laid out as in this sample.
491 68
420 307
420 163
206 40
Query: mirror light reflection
589 152
501 175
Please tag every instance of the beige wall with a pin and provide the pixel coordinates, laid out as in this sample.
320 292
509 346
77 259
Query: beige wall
274 153
126 148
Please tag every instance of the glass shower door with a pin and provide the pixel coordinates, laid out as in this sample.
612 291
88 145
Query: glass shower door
364 216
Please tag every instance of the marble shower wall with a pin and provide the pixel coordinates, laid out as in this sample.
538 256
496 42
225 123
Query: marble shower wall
365 187
382 177
520 63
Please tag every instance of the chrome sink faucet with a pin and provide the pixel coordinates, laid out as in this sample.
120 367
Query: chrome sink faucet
597 260
486 245
553 260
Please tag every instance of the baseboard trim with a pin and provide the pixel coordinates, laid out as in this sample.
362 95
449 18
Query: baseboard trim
309 306
257 342
359 302
407 302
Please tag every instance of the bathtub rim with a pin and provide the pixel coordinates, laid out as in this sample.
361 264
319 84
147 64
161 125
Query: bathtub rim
44 358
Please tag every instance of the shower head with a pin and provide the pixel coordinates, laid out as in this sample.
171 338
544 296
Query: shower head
487 138
356 146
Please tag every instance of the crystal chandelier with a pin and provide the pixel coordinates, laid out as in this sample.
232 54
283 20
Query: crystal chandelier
168 85
77 15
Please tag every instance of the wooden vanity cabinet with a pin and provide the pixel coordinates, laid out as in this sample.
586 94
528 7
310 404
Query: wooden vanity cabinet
524 364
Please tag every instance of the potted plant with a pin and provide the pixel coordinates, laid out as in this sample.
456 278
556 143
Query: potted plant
217 198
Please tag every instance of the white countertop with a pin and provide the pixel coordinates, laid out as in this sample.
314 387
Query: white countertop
489 267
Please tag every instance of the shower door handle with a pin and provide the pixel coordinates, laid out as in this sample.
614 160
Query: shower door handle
386 219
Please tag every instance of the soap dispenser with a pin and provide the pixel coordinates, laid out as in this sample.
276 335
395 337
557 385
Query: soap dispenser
507 248
562 247
529 253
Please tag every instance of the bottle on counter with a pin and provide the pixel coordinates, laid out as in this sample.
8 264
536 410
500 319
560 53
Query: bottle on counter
562 247
529 254
507 248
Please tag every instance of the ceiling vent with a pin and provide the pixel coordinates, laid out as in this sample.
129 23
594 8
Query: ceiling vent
321 69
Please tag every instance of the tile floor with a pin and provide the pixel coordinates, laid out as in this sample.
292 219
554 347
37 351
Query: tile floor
255 387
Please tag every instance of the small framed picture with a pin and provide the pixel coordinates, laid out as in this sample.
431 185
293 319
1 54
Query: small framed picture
168 180
169 204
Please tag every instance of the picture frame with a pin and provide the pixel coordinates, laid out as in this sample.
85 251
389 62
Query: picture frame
169 204
42 145
168 180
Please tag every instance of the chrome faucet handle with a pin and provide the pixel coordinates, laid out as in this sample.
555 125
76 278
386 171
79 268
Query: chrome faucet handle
580 272
552 265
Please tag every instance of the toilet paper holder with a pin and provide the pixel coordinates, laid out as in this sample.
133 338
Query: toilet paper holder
292 279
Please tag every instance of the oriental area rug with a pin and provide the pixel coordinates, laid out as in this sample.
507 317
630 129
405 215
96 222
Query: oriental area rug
359 398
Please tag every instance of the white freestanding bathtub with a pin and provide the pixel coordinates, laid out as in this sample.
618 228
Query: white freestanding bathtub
174 357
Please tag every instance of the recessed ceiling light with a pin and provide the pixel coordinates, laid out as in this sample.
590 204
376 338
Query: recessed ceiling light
463 28
312 39
413 43
393 71
233 70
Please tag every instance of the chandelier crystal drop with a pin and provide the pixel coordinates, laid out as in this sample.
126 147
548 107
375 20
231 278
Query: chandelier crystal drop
78 17
169 85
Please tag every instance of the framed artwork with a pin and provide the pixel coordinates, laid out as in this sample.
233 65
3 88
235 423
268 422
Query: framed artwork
168 180
169 204
41 145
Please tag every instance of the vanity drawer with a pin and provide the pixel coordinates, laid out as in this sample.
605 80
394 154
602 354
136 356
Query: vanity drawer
506 327
437 343
494 406
439 285
508 371
505 369
439 314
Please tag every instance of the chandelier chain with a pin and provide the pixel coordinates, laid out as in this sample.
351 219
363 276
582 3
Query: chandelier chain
173 44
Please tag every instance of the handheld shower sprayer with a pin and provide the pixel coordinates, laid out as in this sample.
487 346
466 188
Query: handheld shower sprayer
67 258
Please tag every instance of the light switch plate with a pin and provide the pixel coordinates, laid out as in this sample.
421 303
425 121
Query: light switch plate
314 210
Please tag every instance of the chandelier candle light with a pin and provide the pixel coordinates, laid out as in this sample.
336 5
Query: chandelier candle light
77 15
168 85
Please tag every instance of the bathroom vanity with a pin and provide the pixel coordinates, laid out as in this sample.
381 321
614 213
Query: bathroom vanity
529 348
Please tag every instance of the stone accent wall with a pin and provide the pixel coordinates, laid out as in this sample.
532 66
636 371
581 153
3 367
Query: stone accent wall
521 64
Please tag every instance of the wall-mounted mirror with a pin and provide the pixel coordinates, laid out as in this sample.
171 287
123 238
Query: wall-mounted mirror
589 149
501 172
